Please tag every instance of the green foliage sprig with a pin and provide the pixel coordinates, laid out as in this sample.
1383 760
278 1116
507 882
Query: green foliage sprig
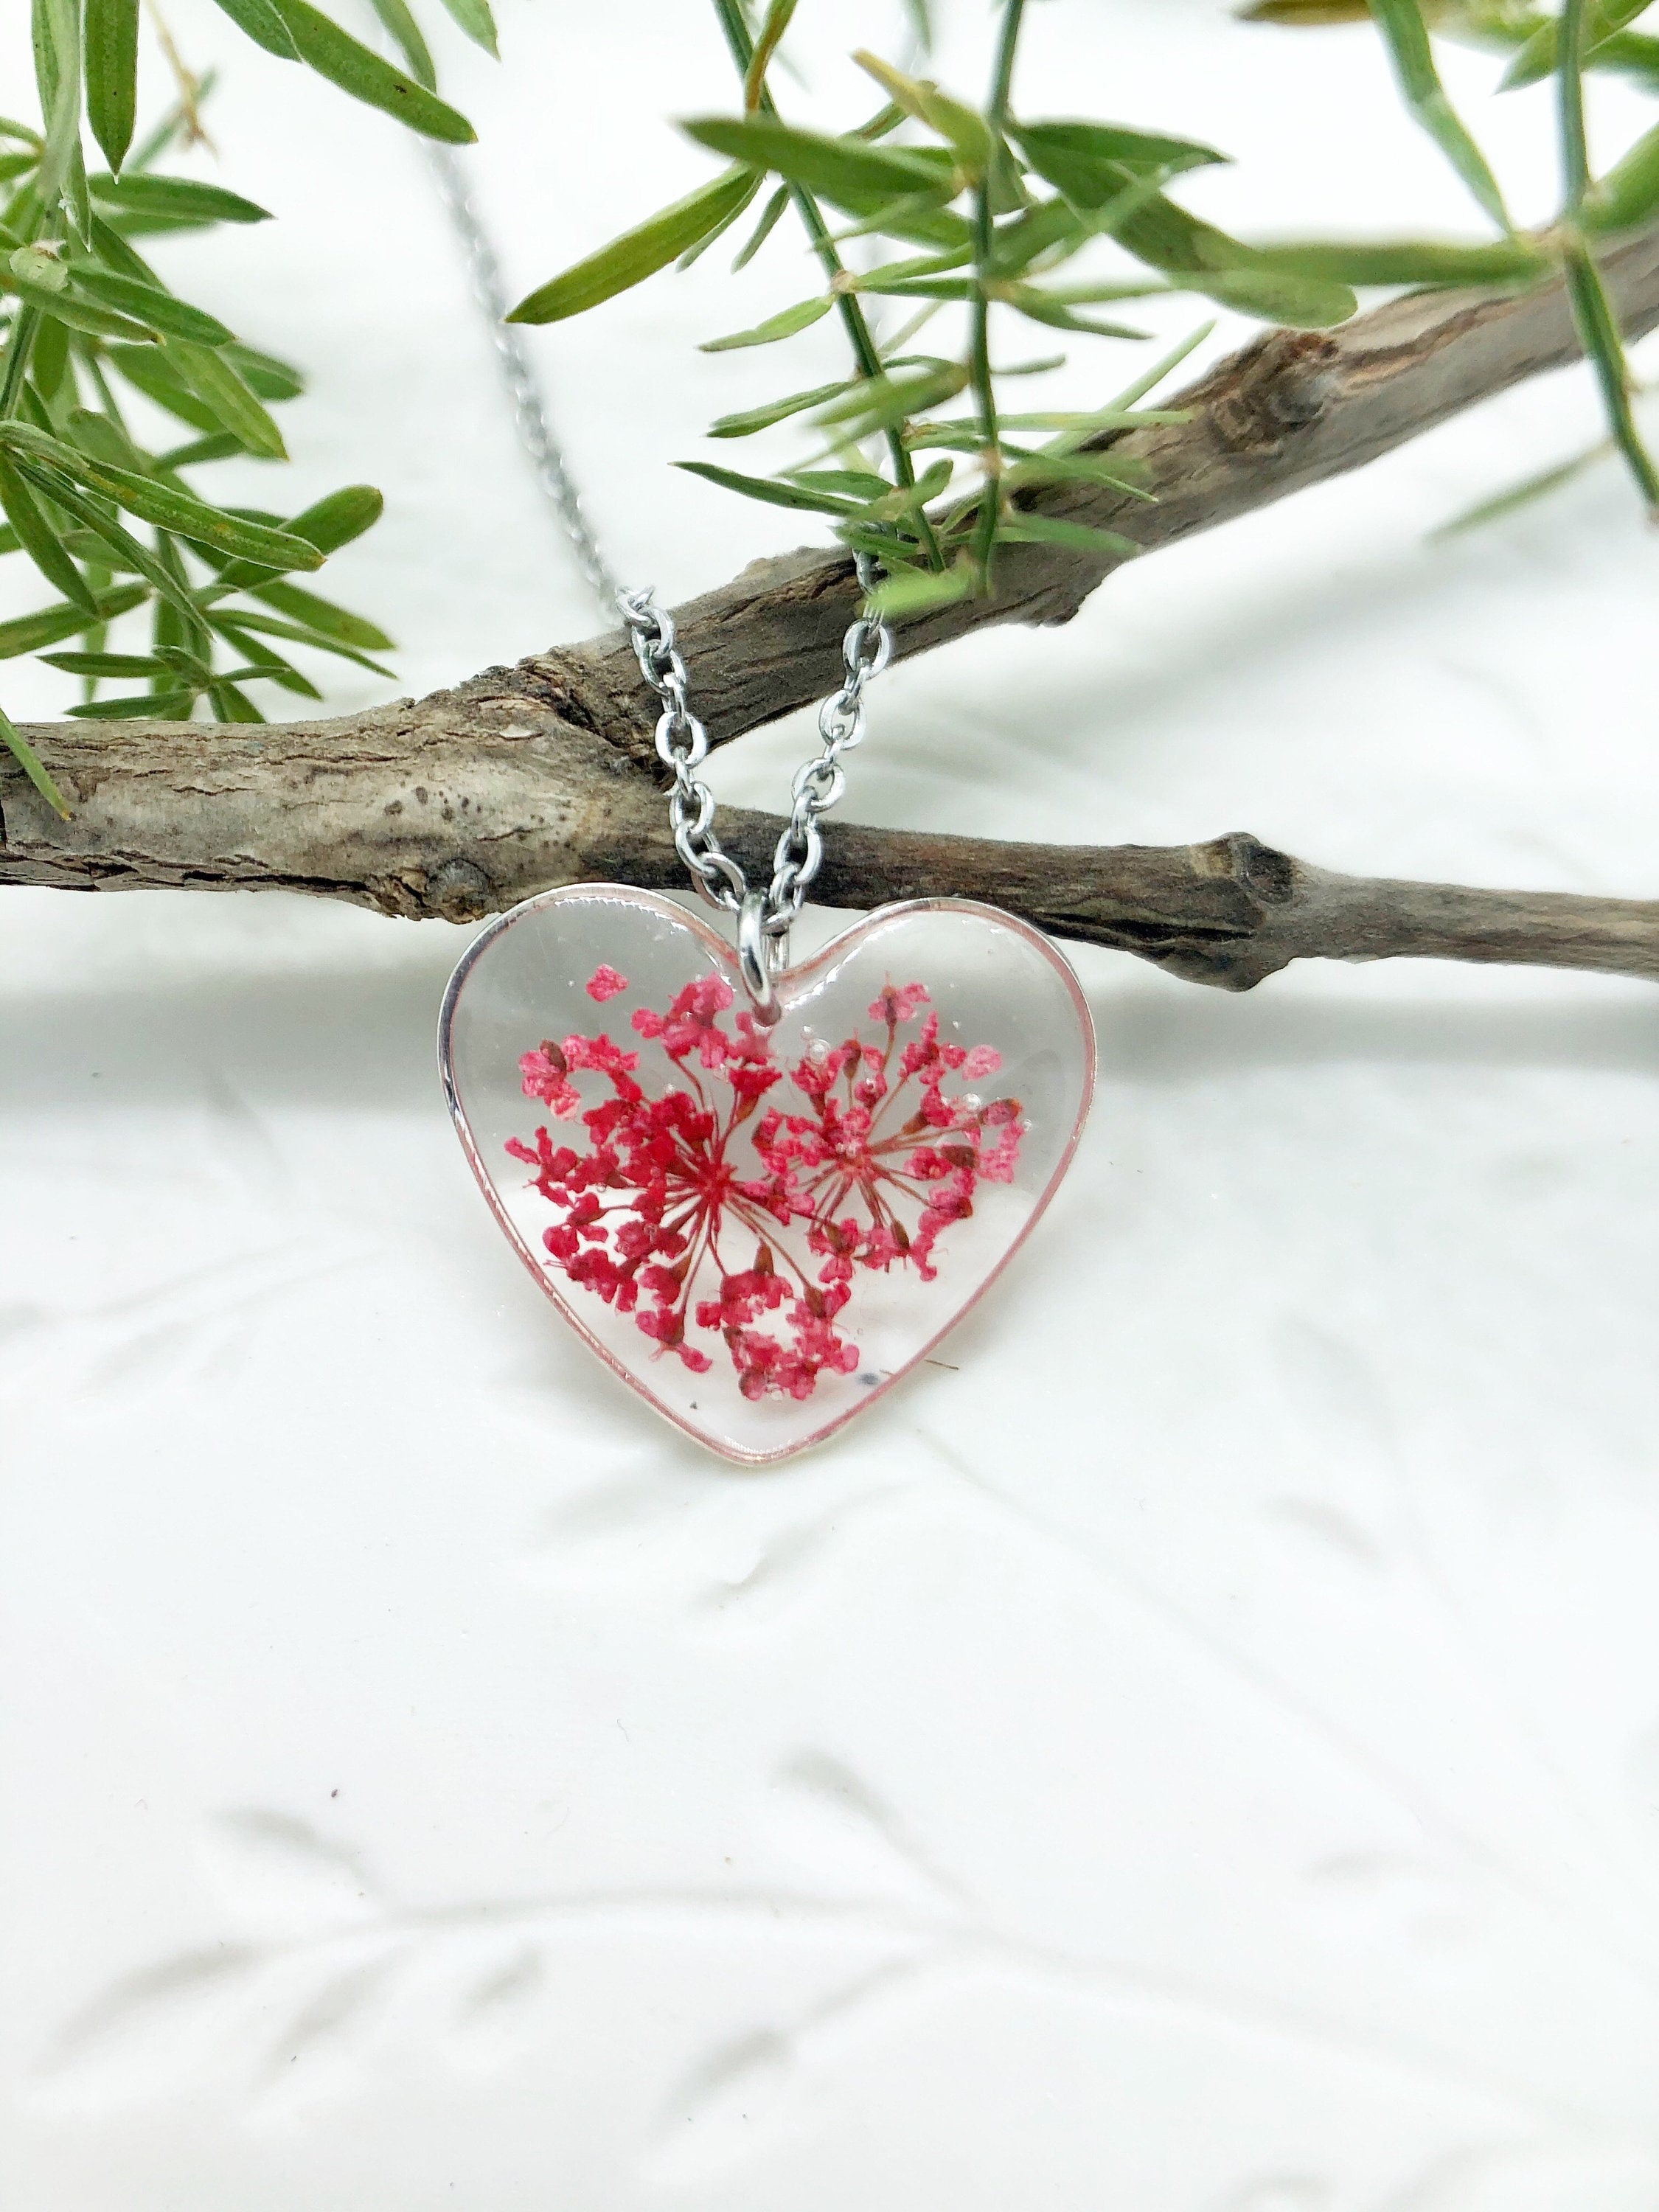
984 208
113 524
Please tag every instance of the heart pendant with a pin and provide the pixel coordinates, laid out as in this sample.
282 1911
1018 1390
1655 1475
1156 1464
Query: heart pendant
762 1227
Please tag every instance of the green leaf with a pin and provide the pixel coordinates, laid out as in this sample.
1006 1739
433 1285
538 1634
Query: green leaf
1150 379
366 76
230 705
105 440
1603 342
897 501
182 197
1521 494
1078 468
29 633
693 253
264 373
784 325
1629 192
1410 261
328 524
232 623
336 519
962 127
217 445
1040 306
137 706
409 40
1028 529
476 20
323 618
267 667
918 217
1538 55
51 359
31 764
1051 223
110 36
106 664
100 519
82 315
113 250
770 216
776 410
40 542
849 172
637 254
764 487
166 505
778 16
878 402
1206 259
1406 37
920 287
915 590
55 27
262 23
860 484
212 376
147 369
148 304
1097 157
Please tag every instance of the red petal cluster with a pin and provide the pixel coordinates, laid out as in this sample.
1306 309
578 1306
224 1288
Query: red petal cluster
867 1171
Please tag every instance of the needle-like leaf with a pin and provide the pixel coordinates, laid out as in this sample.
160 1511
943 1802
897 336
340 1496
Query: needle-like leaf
408 38
1406 37
212 376
778 16
773 493
775 411
262 23
182 197
849 172
784 325
150 304
41 541
110 46
638 253
476 20
367 75
31 765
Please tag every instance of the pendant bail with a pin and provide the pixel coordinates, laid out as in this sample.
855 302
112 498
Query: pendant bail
760 957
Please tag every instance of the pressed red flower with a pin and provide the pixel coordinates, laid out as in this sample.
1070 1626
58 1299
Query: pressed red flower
693 1211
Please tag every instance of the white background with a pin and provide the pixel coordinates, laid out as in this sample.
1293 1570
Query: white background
1199 1753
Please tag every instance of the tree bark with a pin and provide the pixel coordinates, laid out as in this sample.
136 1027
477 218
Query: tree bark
458 803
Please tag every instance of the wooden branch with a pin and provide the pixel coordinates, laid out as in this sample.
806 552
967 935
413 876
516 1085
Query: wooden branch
458 803
1294 409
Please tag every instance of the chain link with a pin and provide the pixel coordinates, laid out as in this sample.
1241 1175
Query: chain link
819 783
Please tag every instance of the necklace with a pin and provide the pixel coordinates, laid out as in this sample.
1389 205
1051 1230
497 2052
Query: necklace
760 1191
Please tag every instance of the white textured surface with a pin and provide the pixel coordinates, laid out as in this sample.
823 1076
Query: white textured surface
1201 1756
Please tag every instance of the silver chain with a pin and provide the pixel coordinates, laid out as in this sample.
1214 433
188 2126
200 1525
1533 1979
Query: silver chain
519 376
683 746
764 918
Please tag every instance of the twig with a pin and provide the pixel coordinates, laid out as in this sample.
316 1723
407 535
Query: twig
460 803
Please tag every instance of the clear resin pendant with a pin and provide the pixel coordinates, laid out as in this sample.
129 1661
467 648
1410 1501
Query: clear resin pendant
762 1228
